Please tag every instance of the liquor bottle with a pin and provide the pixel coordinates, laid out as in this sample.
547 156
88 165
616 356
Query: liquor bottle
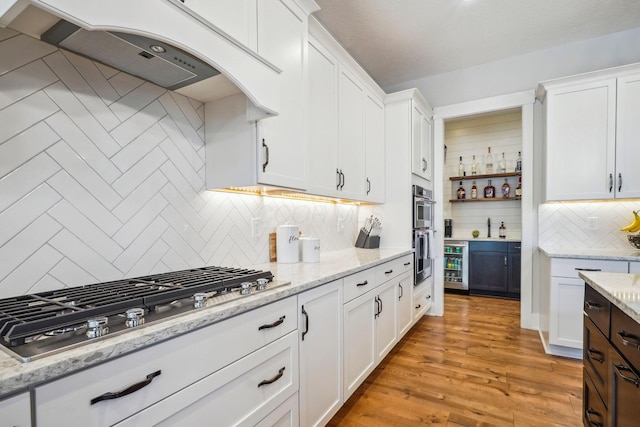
519 162
502 231
503 164
489 191
461 168
489 162
519 187
474 166
474 191
461 192
505 189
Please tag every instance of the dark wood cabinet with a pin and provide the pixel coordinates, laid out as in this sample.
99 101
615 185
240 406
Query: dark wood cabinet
494 269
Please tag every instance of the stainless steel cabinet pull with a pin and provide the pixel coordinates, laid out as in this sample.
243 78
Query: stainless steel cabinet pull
401 292
266 157
368 186
365 283
388 272
272 325
624 335
599 356
272 380
619 182
610 182
592 306
587 269
588 414
131 389
505 261
620 368
306 323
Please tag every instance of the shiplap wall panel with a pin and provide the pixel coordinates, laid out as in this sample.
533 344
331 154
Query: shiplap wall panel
102 177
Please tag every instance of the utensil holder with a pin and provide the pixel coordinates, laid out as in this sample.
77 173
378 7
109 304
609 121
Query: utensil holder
366 241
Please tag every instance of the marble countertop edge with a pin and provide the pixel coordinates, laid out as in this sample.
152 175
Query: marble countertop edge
602 253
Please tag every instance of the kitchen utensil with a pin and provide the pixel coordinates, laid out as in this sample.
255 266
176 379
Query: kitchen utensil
634 240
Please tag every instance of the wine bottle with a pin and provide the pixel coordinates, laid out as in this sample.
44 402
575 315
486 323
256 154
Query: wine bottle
461 192
506 189
474 166
502 231
461 168
474 191
503 164
489 162
519 187
489 191
519 162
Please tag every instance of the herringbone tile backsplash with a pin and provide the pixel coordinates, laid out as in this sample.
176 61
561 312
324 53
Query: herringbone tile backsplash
102 177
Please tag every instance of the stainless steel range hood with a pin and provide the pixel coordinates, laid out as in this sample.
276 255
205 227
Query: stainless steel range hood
149 59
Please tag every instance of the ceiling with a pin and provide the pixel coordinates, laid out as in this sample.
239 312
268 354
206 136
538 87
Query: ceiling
402 40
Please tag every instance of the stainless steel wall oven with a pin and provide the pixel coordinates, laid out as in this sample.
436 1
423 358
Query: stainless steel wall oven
422 233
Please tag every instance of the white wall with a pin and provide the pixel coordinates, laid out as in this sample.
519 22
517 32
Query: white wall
102 177
524 72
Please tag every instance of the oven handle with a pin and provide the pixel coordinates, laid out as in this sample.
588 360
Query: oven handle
131 389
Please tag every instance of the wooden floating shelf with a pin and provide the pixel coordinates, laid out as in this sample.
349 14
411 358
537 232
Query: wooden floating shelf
496 199
491 175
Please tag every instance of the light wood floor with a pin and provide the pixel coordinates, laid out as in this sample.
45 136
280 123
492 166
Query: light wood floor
473 367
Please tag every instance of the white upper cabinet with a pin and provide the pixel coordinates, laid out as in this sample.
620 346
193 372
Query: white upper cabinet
345 138
421 145
591 124
234 17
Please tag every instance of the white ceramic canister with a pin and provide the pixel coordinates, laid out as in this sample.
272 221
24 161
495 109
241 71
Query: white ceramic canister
310 248
287 244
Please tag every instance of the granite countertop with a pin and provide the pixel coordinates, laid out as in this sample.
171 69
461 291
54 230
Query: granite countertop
16 376
606 254
622 290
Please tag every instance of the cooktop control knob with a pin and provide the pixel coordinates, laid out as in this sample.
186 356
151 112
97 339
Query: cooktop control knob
262 284
135 317
199 300
97 327
245 288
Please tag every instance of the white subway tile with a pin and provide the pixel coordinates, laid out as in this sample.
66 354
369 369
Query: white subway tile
132 178
140 196
25 146
25 178
20 116
32 270
21 50
80 253
137 149
138 123
136 100
145 241
143 217
21 83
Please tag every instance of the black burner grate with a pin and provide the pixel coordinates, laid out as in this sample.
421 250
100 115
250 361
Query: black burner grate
29 315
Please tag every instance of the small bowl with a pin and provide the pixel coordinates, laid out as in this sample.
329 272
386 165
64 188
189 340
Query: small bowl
634 240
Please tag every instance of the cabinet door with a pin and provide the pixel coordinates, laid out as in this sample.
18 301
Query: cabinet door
285 415
581 126
387 319
16 410
374 141
405 299
565 312
359 341
624 393
634 267
419 165
488 271
426 147
234 17
281 159
320 330
351 134
322 130
513 285
627 145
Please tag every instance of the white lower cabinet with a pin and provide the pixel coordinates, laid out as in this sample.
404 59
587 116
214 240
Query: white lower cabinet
422 300
241 394
16 411
181 362
634 267
320 331
285 415
405 303
387 319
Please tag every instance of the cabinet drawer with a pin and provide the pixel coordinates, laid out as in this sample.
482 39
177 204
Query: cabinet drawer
595 410
16 410
595 357
359 283
570 267
488 246
597 308
625 335
181 361
243 393
421 303
394 268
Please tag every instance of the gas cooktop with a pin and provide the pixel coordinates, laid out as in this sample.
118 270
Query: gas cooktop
37 325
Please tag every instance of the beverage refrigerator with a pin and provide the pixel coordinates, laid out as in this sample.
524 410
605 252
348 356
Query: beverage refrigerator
456 265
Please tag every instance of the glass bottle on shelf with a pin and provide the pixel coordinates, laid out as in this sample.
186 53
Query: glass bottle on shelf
489 191
519 162
519 187
503 164
461 168
489 162
502 231
474 191
506 189
474 166
461 192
